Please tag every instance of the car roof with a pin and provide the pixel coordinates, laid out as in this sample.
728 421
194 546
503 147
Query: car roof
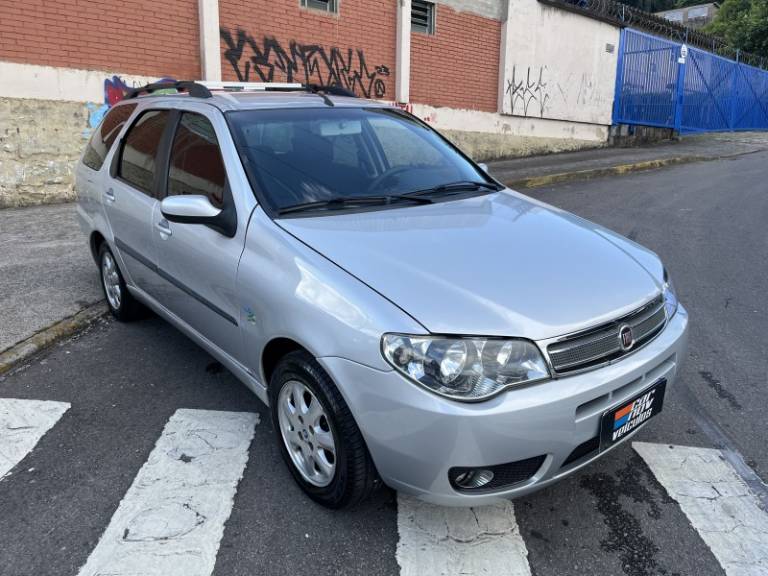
228 101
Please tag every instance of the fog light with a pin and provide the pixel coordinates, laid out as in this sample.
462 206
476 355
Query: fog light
473 478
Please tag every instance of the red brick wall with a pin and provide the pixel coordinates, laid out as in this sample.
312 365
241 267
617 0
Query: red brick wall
366 27
145 37
458 67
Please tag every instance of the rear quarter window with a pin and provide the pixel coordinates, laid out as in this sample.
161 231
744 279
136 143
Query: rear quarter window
138 162
105 135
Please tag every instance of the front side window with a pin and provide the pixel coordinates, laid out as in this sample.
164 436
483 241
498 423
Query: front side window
300 156
196 166
105 135
138 162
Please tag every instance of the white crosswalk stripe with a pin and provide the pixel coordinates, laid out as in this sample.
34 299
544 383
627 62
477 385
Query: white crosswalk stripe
469 541
171 520
716 501
22 424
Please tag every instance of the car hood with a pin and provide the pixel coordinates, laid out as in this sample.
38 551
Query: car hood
500 264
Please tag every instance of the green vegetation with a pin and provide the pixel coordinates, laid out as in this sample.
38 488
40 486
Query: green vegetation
743 24
659 5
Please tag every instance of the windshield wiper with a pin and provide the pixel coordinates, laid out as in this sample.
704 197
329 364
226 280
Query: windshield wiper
352 201
455 188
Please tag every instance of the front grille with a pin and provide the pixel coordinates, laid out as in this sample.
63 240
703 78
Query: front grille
602 344
504 475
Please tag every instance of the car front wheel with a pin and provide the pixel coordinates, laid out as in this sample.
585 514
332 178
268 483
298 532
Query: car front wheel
318 436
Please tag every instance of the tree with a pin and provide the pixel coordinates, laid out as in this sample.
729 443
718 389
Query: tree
743 24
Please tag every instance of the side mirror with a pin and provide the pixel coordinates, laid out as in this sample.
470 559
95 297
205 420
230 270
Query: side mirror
483 167
197 209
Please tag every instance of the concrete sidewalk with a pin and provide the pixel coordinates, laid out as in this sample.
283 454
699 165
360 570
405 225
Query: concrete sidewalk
46 270
47 276
569 166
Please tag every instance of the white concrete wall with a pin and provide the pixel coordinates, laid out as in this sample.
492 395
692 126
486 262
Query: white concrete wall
555 64
62 84
403 52
492 123
210 57
488 8
487 136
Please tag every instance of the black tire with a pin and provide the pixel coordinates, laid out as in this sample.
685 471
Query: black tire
128 308
355 476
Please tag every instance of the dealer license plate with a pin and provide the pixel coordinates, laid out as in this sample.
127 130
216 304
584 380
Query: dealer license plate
619 422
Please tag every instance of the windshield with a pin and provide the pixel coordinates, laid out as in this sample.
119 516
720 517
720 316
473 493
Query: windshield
303 156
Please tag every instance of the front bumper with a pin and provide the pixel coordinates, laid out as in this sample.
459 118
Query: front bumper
415 437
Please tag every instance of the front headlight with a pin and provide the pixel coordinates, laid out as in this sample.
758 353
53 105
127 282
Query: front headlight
670 296
467 369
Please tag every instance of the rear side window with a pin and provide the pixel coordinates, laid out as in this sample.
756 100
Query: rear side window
105 135
138 162
196 165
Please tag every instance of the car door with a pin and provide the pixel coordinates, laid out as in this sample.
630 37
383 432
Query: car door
199 263
131 197
89 175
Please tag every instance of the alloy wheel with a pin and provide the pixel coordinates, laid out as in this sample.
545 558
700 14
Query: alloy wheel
111 279
306 431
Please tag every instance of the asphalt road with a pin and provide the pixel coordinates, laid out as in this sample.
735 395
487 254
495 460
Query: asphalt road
707 221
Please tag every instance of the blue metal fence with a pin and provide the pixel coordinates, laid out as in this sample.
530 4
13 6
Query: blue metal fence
665 84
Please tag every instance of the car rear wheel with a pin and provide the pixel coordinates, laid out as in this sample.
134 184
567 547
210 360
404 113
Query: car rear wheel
121 303
318 437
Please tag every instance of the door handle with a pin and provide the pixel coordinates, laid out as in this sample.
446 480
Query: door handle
109 195
164 228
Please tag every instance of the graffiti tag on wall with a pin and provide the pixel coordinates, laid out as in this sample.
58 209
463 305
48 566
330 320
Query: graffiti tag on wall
269 61
115 89
528 96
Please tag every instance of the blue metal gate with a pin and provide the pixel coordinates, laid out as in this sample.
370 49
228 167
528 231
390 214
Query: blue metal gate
666 84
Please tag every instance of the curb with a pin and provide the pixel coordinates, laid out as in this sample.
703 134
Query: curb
49 336
619 170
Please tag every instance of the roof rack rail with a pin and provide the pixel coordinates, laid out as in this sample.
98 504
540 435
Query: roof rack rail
255 86
333 90
194 89
203 89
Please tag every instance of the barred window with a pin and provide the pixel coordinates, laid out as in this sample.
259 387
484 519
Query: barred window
324 5
422 17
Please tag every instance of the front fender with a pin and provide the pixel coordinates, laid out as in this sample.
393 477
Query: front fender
288 290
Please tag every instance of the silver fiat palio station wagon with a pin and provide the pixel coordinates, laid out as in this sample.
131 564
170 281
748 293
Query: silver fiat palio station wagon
407 318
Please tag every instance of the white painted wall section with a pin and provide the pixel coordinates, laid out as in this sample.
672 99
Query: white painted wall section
492 123
22 424
717 502
171 520
63 84
444 541
557 64
210 58
403 52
